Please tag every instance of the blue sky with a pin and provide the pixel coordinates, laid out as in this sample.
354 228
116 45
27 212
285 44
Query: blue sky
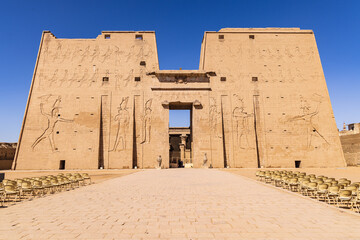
179 27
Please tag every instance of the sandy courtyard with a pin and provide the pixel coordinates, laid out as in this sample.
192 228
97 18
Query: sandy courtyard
177 204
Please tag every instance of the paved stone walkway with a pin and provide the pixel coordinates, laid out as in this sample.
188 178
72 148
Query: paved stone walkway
176 204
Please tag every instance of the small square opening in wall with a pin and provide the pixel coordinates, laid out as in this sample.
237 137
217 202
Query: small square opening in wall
221 37
137 79
107 36
62 165
142 63
223 79
105 79
254 79
139 37
251 36
57 132
297 163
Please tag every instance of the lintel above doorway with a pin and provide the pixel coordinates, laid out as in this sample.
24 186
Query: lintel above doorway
183 76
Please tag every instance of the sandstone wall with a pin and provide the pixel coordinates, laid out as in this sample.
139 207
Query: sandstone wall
351 148
7 153
274 78
259 98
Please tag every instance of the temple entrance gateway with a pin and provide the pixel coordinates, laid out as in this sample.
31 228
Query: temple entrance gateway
258 99
180 137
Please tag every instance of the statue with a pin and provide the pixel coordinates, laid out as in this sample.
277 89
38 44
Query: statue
205 160
159 161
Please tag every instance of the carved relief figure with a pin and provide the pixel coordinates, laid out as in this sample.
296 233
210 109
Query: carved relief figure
122 119
53 78
63 79
53 118
95 53
242 125
146 126
308 116
213 114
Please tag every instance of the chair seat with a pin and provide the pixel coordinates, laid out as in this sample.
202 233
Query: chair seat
345 198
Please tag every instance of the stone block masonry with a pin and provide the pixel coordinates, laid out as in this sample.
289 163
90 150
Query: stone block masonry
258 99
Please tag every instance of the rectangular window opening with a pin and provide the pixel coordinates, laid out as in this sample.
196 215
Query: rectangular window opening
142 63
139 37
137 79
221 36
254 79
251 36
297 163
62 165
107 36
223 79
105 79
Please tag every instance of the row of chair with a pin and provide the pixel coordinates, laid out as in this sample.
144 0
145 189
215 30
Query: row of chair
341 192
23 188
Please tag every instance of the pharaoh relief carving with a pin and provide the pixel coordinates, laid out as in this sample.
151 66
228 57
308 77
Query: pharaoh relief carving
287 53
122 119
49 107
309 116
95 52
242 126
146 122
106 54
214 115
138 52
53 78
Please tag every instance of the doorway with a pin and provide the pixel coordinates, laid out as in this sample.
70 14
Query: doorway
62 165
180 135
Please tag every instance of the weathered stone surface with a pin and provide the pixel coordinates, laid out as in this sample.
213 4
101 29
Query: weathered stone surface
7 153
350 141
259 99
172 204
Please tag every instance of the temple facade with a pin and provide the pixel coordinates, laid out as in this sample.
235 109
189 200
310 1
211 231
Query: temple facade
258 99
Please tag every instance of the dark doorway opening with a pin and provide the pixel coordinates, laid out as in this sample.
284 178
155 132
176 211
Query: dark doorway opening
297 164
180 135
62 165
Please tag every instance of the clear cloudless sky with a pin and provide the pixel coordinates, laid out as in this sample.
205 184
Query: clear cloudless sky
179 27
